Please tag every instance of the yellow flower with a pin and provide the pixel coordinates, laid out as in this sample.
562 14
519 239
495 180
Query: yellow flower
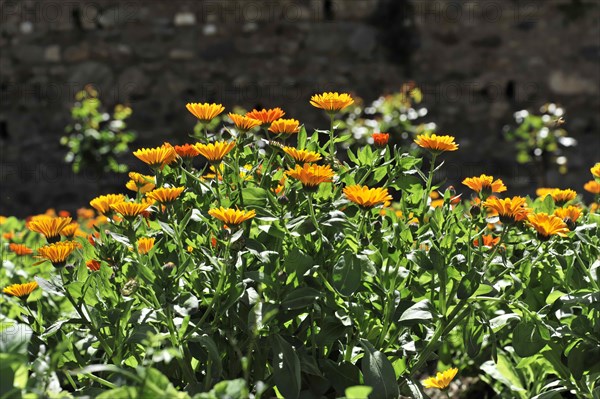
205 112
187 151
441 380
231 217
49 226
140 183
20 249
485 184
542 192
592 186
71 229
215 152
145 245
561 197
102 203
285 126
165 195
436 144
366 197
3 220
157 157
596 170
244 123
302 155
129 209
569 215
266 116
57 253
311 175
508 209
331 102
548 225
21 290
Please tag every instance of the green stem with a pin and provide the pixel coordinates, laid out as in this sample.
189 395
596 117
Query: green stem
428 188
217 171
331 140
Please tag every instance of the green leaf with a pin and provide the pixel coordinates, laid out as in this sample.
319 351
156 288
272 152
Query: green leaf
15 338
378 373
300 298
286 368
341 375
297 261
417 312
358 392
52 287
347 274
527 340
468 284
301 137
255 197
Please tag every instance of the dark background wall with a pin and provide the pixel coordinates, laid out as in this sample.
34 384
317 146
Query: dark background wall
477 62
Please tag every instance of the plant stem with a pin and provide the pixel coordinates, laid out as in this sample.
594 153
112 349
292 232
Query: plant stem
331 140
428 188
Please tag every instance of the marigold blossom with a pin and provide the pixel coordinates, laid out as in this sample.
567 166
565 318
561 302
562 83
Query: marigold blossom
130 209
215 152
441 380
380 139
49 226
436 144
244 123
145 244
366 197
205 111
165 195
231 216
57 253
266 116
596 170
508 209
331 101
157 157
71 230
21 290
561 197
548 225
488 241
86 213
285 126
187 151
102 203
311 175
592 186
484 184
20 249
93 265
302 155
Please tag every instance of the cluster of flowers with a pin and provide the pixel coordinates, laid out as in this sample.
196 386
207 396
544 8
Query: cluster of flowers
153 196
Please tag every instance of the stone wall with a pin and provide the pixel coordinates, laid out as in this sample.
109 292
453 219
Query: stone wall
477 62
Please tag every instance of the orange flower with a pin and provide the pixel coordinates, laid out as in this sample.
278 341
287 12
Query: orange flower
92 238
508 209
266 116
244 123
187 151
8 235
542 192
302 155
58 253
130 210
561 197
165 195
145 244
380 139
157 157
596 170
21 290
331 102
93 265
215 152
592 186
436 144
140 183
285 126
484 184
102 203
548 225
488 241
70 230
205 111
20 249
231 216
569 215
85 213
311 175
366 197
49 226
